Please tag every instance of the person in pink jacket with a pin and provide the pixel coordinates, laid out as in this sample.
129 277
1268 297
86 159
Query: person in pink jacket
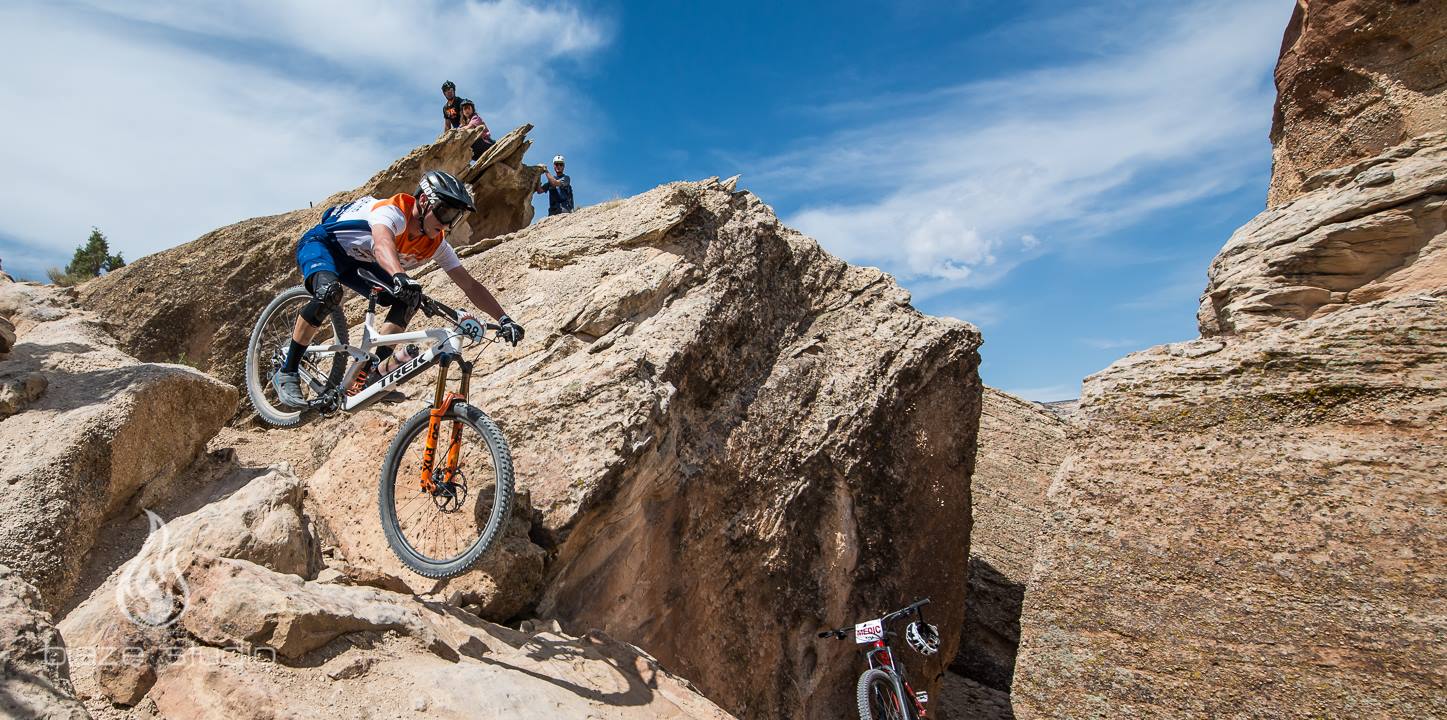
471 119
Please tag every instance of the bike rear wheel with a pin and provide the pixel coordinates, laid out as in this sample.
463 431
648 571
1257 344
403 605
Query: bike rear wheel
878 696
266 352
443 533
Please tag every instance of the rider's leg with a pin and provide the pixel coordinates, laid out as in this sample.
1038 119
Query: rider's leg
398 315
326 291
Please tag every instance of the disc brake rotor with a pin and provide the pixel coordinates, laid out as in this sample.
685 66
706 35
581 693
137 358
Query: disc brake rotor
449 496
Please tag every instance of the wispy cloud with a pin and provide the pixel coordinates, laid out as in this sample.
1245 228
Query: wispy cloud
960 184
159 121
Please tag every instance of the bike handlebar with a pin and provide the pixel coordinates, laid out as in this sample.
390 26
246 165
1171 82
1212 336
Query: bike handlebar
428 305
841 633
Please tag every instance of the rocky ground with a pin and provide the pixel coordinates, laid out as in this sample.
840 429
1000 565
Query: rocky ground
961 698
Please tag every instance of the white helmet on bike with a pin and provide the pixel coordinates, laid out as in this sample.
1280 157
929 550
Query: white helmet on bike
923 637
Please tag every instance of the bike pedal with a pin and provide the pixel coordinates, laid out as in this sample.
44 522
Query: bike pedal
921 695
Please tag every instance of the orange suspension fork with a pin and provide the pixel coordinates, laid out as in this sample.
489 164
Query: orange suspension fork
442 402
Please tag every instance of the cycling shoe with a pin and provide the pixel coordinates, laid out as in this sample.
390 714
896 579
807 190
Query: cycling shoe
288 389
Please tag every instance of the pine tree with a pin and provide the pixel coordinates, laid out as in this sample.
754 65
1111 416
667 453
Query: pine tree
89 260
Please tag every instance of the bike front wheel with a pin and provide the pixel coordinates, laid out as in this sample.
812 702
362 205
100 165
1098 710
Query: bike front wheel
878 696
442 531
266 352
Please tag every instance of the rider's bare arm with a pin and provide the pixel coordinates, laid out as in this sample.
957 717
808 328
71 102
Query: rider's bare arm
384 249
480 297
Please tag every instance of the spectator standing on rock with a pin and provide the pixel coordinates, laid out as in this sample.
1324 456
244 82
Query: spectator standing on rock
452 109
470 119
559 188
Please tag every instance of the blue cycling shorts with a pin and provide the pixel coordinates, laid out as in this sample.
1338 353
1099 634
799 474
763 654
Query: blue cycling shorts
318 251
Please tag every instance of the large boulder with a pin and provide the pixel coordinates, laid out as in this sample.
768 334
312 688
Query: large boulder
730 439
1249 523
241 632
34 673
1354 78
133 608
1021 446
197 302
91 434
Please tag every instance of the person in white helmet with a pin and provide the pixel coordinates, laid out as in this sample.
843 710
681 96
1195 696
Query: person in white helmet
559 188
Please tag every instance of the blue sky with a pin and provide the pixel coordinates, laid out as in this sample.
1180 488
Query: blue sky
1059 173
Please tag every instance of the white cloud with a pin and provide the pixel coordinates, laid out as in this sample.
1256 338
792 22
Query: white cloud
160 121
966 182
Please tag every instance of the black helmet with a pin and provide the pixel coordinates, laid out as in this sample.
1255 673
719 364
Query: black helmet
447 85
441 189
466 103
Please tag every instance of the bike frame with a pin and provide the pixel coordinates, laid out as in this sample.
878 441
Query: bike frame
444 349
881 656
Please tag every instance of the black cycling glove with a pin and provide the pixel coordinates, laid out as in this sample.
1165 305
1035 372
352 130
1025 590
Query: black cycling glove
510 330
406 290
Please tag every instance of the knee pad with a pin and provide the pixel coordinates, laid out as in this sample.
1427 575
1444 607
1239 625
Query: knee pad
326 292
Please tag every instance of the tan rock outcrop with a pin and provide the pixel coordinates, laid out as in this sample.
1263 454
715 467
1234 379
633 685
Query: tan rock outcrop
259 523
719 429
1021 446
96 434
34 674
1249 523
1354 78
247 640
731 438
197 302
1378 231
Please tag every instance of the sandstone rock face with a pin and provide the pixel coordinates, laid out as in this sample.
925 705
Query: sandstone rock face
730 438
197 302
260 523
1354 78
249 637
34 677
725 437
94 434
1021 446
1346 243
1250 523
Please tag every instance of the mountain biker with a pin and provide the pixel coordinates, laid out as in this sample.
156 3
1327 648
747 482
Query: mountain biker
387 238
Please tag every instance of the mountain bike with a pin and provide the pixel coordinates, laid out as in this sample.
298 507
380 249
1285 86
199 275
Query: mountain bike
439 514
883 693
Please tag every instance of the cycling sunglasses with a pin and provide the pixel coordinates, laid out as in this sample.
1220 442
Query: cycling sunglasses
448 215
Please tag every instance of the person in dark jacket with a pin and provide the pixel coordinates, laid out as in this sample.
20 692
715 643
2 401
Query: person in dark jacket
559 188
452 110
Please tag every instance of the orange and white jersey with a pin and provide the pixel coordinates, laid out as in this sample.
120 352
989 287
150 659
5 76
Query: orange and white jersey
413 248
